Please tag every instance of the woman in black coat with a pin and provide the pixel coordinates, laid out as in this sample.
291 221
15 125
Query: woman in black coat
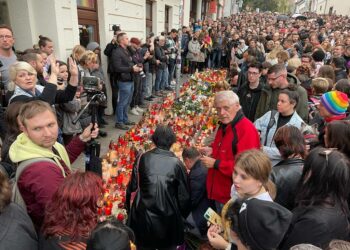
286 174
162 200
322 212
16 228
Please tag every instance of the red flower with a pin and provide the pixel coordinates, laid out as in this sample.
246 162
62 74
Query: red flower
120 217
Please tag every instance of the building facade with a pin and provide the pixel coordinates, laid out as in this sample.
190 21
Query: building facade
329 7
71 22
338 7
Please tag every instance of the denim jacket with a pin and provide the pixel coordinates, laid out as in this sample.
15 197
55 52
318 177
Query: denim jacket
270 147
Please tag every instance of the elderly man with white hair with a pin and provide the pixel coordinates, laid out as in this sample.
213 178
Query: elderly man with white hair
235 135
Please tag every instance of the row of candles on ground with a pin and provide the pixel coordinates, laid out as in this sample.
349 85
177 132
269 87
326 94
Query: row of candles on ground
190 128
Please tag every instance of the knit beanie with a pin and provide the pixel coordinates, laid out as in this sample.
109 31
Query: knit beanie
92 46
335 102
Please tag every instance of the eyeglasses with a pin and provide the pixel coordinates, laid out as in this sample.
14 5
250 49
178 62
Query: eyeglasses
273 78
5 36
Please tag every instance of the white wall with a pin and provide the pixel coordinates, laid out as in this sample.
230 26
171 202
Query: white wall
340 7
56 19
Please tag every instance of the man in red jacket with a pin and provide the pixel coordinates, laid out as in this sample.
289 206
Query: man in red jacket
40 179
235 135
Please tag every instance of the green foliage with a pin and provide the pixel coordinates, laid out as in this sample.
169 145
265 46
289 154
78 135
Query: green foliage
282 6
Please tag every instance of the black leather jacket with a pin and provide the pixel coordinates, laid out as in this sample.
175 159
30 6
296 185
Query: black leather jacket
286 175
162 200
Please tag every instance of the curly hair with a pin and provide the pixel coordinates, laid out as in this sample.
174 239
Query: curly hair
5 192
73 206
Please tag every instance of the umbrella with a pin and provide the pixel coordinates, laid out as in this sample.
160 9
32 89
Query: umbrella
301 17
296 15
282 18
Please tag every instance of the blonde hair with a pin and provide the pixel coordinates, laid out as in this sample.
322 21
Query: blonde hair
294 62
273 53
319 85
77 52
88 56
257 164
15 68
221 85
283 55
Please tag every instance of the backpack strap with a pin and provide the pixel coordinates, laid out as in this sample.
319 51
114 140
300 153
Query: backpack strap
16 195
270 124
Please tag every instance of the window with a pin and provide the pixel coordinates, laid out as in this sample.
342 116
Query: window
149 19
86 4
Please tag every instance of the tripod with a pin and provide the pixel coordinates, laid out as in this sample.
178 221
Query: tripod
93 147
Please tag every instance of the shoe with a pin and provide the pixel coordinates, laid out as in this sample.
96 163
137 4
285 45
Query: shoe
129 123
102 133
148 99
134 111
121 126
143 106
169 88
173 83
152 97
159 94
103 122
139 110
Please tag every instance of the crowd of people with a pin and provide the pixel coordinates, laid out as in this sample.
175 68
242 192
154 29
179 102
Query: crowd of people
274 174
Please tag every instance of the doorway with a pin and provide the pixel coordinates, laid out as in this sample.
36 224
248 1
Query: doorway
166 19
149 19
88 21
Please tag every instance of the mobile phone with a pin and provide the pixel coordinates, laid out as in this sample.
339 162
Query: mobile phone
211 216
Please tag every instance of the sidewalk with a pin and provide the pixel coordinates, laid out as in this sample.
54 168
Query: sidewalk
114 133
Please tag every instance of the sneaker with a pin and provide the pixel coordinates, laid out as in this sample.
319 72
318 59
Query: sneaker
129 123
173 83
148 99
134 111
169 88
121 126
143 106
139 110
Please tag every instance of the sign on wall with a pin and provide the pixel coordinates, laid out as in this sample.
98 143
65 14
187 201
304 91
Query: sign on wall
212 7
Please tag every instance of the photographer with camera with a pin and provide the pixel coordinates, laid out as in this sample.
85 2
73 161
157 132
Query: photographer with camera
92 84
112 75
125 69
139 77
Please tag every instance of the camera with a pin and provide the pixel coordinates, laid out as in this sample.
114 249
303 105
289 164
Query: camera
91 87
90 83
142 74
